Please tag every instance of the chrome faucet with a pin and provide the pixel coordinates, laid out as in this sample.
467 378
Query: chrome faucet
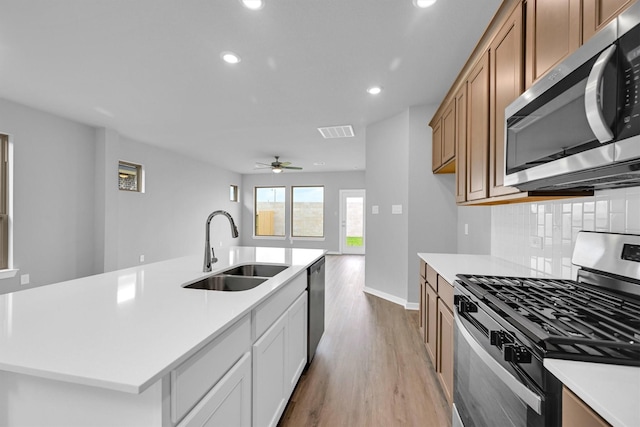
209 254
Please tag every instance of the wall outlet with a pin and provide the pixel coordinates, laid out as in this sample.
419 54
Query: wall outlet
535 242
141 258
466 229
24 279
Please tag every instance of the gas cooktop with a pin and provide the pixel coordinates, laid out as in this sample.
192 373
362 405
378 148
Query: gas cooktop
566 319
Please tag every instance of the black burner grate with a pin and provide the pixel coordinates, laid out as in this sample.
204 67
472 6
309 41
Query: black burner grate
567 319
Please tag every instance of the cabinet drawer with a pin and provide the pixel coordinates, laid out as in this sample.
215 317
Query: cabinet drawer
432 278
195 377
445 292
269 311
423 269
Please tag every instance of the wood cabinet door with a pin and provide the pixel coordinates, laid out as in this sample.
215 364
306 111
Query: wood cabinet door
576 413
598 13
436 149
461 144
507 82
449 133
422 313
445 351
431 326
478 130
553 33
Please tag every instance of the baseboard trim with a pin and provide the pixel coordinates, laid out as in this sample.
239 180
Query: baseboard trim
392 298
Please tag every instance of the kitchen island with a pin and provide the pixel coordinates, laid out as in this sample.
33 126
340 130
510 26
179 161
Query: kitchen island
112 341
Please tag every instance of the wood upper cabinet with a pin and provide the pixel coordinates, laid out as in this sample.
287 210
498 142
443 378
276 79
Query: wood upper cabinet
598 13
507 81
553 33
461 144
444 140
436 149
478 130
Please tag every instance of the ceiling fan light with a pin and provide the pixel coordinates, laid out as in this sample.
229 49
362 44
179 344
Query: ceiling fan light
253 4
230 57
276 170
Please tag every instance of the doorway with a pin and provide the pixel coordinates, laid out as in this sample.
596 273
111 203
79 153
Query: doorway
352 229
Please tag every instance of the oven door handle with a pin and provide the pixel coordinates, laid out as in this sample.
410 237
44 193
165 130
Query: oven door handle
526 395
592 94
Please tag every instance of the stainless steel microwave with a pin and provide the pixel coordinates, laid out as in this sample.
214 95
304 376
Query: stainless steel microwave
579 126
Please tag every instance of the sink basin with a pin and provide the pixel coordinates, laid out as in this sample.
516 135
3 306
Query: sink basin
259 270
222 282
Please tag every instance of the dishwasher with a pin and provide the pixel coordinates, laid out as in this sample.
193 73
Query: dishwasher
315 320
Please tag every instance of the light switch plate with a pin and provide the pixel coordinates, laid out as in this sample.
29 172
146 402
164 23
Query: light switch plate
375 209
396 209
24 279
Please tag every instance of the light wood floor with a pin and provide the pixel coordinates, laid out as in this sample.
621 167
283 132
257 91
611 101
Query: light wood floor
370 368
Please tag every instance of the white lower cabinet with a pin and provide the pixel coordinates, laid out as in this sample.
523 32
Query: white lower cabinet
228 403
279 357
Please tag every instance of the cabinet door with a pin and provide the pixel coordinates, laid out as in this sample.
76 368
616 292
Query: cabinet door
553 33
269 382
228 403
445 350
576 413
297 329
422 314
478 131
461 144
449 133
598 13
431 326
436 149
507 78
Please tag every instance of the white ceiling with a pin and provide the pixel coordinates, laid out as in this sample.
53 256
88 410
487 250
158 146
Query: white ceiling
151 70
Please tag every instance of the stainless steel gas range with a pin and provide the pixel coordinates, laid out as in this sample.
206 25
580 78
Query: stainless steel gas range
507 326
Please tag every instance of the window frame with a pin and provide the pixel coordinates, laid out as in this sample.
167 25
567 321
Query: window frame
4 202
255 213
139 176
292 218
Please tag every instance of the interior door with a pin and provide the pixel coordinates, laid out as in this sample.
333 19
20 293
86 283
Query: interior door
352 229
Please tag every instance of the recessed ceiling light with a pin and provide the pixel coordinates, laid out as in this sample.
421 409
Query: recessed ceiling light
230 57
423 3
318 163
374 90
253 4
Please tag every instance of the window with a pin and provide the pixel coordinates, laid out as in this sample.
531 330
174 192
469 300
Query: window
4 213
307 211
270 211
130 177
233 193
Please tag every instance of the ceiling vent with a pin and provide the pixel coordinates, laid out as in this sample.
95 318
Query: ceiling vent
345 131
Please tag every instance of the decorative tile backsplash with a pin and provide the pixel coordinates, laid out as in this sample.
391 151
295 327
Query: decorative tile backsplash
542 235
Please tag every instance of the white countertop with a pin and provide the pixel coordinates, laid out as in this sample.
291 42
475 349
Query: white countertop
612 391
448 265
124 330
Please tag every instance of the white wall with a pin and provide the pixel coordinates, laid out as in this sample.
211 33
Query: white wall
399 172
52 195
333 182
71 221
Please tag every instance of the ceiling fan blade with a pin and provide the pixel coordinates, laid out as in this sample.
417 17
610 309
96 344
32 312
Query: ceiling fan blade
292 167
285 163
268 165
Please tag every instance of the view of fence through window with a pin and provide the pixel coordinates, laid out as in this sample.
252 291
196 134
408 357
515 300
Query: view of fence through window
307 213
270 211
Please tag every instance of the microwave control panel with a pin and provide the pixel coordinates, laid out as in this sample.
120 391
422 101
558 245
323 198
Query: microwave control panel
630 82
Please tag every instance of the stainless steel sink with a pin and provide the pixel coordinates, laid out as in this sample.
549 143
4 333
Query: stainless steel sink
240 278
221 282
259 270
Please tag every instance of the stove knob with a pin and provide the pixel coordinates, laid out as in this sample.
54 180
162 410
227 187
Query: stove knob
516 353
466 306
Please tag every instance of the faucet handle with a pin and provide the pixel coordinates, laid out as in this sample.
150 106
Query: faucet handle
213 256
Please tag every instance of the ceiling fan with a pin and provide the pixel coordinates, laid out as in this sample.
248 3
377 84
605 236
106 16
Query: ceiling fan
277 166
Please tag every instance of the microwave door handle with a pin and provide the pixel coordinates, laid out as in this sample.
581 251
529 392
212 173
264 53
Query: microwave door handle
592 104
527 396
